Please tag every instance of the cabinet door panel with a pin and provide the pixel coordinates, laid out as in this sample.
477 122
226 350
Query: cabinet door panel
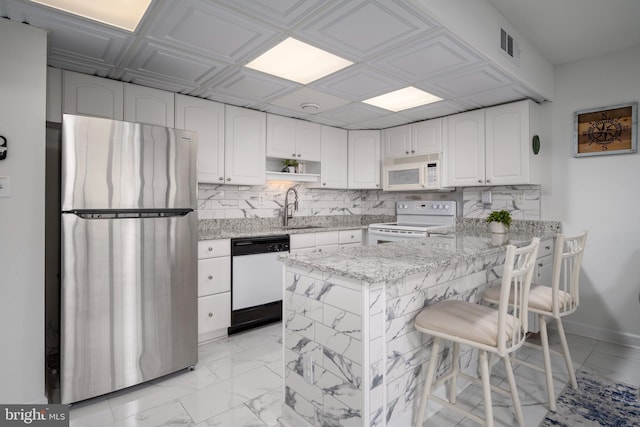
426 137
333 166
214 312
307 141
148 105
214 275
507 129
92 96
364 159
206 118
281 137
245 146
464 149
396 141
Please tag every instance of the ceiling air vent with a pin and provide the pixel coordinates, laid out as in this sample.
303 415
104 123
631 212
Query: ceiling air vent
509 46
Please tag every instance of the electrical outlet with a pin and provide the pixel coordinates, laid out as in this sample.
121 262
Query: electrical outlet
520 198
307 368
486 197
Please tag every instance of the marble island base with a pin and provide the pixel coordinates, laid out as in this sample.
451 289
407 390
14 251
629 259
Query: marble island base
352 354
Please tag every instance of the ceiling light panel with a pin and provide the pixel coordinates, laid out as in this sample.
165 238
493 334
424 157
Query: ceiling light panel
297 61
403 99
125 14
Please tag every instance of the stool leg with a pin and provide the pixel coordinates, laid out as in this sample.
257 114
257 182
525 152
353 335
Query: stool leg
514 391
567 355
486 388
453 388
544 340
435 348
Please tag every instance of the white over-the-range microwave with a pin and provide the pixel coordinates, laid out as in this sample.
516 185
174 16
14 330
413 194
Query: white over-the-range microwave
421 172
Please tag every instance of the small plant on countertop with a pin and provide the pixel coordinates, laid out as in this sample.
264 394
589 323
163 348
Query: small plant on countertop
503 217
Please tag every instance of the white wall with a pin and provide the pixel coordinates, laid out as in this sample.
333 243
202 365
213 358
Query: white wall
22 122
600 194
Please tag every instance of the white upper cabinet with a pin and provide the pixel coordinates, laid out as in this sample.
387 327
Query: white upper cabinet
396 141
92 96
426 137
464 149
245 146
206 118
414 139
509 132
292 138
148 105
492 146
364 159
333 166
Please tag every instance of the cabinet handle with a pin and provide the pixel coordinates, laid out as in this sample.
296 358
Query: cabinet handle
539 264
488 181
210 248
294 154
210 277
210 314
352 236
413 151
480 181
406 152
547 247
221 178
324 183
228 179
299 155
377 185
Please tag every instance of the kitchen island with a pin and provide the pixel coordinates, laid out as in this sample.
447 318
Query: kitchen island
352 355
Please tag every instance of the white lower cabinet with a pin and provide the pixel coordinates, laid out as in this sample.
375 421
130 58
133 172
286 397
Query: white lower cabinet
325 240
214 288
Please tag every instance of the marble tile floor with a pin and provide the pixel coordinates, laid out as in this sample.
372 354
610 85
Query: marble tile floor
238 383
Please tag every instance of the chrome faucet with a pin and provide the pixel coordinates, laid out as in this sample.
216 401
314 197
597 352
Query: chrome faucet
286 215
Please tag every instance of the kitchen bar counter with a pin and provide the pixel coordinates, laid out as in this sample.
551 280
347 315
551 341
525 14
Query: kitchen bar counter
352 354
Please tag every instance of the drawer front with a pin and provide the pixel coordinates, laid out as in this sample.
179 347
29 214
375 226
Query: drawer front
214 312
350 236
546 247
214 248
327 238
214 275
302 240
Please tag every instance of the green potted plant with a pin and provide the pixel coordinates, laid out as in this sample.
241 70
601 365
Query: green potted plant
290 165
499 221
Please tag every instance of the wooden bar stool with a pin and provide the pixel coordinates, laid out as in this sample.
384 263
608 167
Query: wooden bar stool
554 300
500 332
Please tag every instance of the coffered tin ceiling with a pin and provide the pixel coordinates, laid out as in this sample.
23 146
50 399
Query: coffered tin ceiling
199 48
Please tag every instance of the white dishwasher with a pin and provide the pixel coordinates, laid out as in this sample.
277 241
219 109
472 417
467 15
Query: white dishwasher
256 281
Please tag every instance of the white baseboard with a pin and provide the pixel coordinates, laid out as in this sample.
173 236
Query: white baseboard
602 334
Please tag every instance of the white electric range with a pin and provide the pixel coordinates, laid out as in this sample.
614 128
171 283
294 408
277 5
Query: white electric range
416 219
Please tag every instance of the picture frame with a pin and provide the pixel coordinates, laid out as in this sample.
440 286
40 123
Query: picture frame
606 130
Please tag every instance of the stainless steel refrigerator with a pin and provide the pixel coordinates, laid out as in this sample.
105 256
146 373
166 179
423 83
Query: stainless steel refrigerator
128 276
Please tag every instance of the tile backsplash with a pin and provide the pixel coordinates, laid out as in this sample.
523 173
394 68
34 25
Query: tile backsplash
266 201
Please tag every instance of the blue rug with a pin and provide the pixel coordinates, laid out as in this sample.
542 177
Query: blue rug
597 402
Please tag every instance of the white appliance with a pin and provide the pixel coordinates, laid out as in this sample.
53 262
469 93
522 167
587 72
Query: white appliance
412 173
416 219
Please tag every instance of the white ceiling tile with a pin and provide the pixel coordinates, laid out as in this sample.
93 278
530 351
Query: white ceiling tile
360 29
283 13
173 65
202 28
251 85
468 81
357 83
355 112
294 99
427 57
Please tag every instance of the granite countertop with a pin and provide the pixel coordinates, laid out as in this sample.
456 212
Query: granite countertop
253 227
393 261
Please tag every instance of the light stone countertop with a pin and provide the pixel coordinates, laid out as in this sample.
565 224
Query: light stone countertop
392 261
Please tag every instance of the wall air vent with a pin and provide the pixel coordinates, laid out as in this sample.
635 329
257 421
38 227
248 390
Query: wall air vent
509 46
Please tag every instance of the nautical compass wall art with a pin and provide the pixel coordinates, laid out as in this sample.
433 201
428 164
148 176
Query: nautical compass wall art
606 130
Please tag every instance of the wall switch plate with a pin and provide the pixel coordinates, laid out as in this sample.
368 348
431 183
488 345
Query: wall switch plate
519 198
5 188
486 197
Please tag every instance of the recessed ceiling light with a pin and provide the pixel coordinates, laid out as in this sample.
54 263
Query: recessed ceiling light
294 60
402 99
125 14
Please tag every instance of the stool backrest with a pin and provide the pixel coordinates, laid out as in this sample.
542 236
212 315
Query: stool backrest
566 273
516 281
